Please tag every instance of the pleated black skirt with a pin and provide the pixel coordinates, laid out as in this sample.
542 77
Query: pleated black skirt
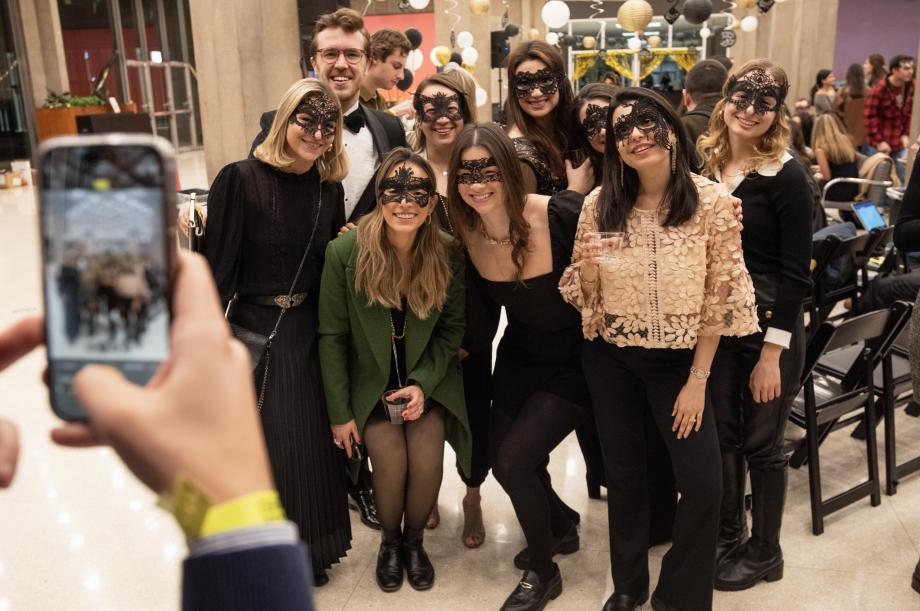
307 467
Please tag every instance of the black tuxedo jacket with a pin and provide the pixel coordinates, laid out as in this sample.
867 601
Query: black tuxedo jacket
387 133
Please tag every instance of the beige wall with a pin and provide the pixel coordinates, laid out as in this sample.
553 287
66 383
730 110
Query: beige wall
799 35
41 28
247 54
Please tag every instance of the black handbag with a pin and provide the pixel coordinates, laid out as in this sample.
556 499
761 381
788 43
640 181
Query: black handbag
258 345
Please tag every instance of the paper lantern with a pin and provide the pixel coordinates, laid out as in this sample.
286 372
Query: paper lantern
440 55
588 42
469 56
555 13
552 38
481 96
418 4
697 11
749 23
414 60
464 40
634 15
479 7
654 41
634 43
415 38
533 34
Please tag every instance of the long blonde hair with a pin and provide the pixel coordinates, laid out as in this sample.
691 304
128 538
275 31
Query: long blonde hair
828 135
333 165
715 148
378 273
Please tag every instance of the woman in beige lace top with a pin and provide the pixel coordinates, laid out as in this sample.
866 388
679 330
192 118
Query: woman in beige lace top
653 311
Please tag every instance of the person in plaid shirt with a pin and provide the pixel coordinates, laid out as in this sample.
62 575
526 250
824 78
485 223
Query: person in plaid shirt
888 110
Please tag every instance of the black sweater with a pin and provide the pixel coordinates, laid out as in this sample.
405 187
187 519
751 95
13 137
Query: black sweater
777 235
907 227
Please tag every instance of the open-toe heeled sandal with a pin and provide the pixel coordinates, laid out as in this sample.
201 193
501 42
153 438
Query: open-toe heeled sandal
474 532
434 519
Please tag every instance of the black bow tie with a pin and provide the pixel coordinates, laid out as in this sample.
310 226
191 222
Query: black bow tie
354 121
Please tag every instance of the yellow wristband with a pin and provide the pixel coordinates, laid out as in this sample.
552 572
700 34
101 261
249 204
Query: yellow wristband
248 510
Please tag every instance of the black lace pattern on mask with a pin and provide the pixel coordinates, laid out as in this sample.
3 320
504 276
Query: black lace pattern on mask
321 112
405 185
758 89
648 119
546 80
595 119
476 174
440 106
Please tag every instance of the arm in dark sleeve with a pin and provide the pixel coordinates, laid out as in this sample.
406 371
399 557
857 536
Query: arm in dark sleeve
793 202
223 234
337 198
907 227
265 126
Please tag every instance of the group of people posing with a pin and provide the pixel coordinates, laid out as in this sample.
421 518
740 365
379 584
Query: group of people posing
639 313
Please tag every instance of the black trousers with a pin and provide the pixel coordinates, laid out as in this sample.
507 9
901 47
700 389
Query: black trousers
754 429
477 376
625 384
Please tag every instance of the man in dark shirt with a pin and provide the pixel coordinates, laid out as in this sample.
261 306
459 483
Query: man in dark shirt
702 90
888 110
388 49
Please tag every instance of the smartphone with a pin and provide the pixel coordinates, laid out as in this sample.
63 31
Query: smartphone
107 222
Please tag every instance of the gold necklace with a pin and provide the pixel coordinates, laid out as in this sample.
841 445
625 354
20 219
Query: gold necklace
443 201
489 239
393 327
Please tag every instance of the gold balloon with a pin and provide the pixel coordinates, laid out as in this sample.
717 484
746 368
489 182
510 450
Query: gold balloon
443 54
746 4
634 15
469 68
534 34
479 7
588 42
654 41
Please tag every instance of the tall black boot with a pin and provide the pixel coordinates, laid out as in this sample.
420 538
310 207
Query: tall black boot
733 531
762 557
361 495
418 567
389 562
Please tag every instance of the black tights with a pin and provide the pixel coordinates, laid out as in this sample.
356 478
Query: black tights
521 443
408 464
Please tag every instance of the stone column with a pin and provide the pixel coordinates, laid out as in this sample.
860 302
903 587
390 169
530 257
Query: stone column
799 35
44 47
247 54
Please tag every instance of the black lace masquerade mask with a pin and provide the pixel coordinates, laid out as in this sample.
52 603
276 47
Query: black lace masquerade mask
476 175
647 118
439 105
546 80
319 112
595 119
404 185
757 89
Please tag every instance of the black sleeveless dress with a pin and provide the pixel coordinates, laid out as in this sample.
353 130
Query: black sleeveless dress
259 222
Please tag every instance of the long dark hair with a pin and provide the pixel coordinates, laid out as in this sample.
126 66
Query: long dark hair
619 192
823 73
555 140
879 71
856 81
592 91
492 138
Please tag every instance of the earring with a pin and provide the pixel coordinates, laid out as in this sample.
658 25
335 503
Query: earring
621 172
673 157
428 220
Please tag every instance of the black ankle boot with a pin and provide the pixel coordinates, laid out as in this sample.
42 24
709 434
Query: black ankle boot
362 501
532 594
567 544
762 558
389 563
595 482
418 567
733 531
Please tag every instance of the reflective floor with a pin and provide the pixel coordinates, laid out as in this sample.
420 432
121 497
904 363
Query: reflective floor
78 532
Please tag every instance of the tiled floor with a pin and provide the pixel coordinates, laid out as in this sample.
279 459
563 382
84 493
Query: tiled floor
79 533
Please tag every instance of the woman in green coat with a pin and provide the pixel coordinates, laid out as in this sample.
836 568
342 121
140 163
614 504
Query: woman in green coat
391 319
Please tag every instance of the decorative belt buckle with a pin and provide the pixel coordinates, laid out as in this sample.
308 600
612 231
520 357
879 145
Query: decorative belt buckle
285 302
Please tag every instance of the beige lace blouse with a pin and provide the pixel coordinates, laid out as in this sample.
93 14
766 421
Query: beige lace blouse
670 284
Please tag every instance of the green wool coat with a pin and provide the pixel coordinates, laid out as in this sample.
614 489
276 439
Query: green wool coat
355 351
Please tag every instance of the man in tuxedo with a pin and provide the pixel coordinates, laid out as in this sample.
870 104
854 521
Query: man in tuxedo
339 51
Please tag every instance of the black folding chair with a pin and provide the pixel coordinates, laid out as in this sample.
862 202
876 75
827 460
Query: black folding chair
898 390
824 400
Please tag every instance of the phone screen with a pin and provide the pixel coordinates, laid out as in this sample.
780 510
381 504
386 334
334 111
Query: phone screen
106 263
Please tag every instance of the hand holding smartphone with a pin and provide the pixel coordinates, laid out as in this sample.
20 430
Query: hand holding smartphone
106 214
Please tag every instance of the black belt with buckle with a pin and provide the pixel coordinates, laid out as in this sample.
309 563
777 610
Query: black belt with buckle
280 301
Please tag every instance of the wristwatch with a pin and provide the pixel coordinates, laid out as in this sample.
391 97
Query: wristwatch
700 374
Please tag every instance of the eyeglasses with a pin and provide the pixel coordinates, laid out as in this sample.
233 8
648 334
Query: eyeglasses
330 56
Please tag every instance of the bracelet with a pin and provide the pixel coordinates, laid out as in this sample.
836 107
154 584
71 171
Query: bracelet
584 280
